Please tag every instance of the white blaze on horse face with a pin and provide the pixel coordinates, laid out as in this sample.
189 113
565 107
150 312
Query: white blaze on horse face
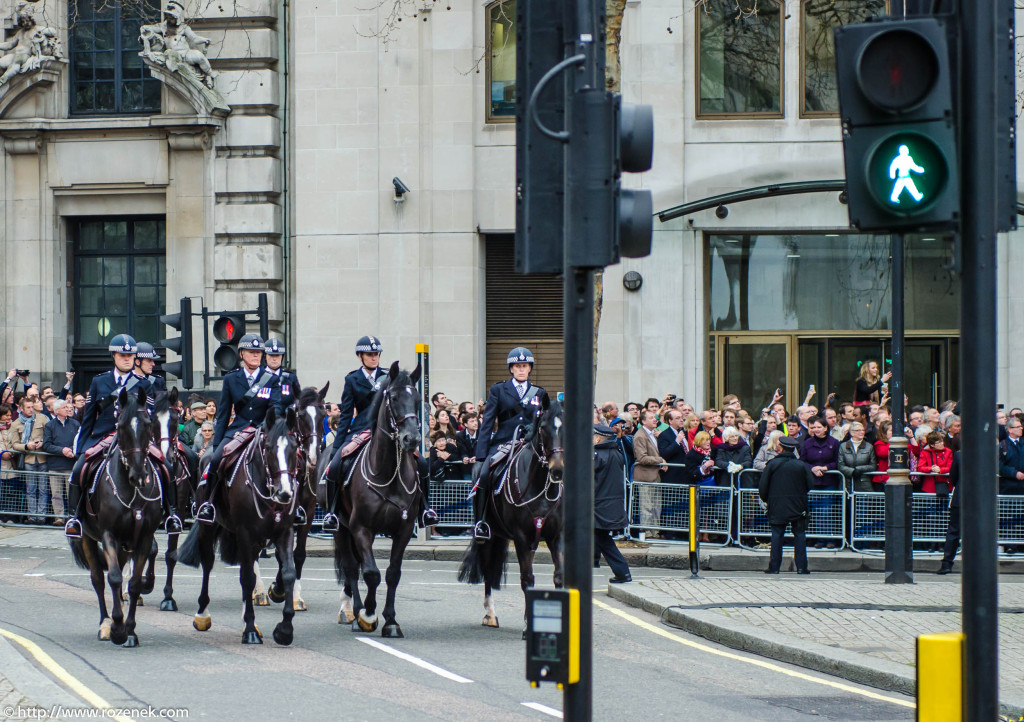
282 465
164 420
313 442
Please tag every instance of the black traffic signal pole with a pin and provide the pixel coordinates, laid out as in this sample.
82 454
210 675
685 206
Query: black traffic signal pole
979 197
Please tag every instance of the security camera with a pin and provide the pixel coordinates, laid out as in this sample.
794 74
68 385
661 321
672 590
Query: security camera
400 188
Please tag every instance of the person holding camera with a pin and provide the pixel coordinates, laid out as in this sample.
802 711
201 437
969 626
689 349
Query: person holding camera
26 436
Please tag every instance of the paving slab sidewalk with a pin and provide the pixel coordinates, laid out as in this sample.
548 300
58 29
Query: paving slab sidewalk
857 628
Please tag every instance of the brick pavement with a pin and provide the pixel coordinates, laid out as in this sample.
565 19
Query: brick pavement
886 628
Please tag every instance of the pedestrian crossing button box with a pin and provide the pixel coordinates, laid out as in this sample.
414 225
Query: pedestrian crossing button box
552 636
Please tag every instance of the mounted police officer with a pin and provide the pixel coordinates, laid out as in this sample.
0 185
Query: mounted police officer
290 387
248 392
360 387
145 362
99 421
511 405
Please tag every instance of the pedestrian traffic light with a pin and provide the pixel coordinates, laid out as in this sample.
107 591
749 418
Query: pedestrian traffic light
182 345
228 329
899 124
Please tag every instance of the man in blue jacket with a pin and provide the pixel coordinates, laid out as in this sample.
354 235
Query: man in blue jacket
1011 459
511 404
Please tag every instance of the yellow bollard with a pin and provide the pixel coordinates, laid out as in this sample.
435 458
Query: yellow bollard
940 677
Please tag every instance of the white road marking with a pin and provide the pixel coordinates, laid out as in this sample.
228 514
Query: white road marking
542 707
34 574
440 671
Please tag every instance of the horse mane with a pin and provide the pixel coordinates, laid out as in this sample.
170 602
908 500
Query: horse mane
279 428
308 397
130 409
378 398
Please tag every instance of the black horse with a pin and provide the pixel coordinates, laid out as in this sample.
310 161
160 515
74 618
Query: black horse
381 496
182 464
255 505
123 509
526 508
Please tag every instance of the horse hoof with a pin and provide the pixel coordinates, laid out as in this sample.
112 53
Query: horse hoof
168 605
251 638
104 632
260 600
282 636
367 624
490 620
118 635
202 622
131 643
274 597
299 606
257 628
350 617
392 631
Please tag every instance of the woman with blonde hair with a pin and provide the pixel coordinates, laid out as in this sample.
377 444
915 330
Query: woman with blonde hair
869 383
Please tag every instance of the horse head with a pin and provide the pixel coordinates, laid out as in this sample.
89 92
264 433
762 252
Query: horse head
311 415
281 450
399 414
165 420
134 434
549 432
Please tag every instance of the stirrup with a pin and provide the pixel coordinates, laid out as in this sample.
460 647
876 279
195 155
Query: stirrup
172 525
207 513
300 517
429 518
73 528
481 531
331 522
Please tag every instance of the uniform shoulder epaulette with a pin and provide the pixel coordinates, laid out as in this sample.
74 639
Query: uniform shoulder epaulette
353 374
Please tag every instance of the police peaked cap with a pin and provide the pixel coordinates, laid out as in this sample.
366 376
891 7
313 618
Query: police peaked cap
250 342
369 344
520 355
274 347
122 343
146 351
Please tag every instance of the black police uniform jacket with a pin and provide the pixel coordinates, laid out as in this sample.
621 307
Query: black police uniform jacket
154 386
784 485
99 420
609 487
506 408
290 387
247 413
356 397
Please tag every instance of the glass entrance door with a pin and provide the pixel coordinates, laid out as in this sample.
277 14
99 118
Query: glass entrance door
753 367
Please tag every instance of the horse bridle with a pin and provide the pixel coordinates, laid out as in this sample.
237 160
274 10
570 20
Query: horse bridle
392 419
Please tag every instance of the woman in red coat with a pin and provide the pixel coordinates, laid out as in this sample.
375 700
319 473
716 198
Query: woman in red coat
882 452
936 459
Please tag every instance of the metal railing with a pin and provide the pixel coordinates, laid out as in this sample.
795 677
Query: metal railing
826 512
33 497
660 508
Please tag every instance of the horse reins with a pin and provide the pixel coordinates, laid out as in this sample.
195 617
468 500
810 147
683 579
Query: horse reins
392 434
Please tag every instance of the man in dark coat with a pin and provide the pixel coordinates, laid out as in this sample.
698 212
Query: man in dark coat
609 501
673 446
953 530
784 486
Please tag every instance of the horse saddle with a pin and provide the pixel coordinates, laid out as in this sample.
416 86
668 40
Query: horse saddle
234 447
502 452
355 443
99 448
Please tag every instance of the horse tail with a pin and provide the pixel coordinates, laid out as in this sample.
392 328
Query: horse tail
188 551
485 562
228 548
78 554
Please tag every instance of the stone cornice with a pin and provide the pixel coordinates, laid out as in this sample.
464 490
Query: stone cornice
18 86
106 124
207 102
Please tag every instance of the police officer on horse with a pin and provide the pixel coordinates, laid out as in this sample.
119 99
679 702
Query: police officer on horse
99 423
290 387
356 399
248 392
145 362
512 407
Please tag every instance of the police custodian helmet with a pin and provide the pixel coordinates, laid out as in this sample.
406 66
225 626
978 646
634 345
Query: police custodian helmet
274 347
368 344
520 355
250 342
122 343
146 351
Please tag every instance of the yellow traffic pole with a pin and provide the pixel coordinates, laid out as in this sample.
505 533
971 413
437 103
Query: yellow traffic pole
940 677
694 532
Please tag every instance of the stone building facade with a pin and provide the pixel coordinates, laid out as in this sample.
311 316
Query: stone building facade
291 191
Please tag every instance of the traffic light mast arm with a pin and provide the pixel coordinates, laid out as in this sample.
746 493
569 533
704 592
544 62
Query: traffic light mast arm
559 135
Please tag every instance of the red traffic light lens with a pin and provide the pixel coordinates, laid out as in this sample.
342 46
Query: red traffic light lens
229 329
897 70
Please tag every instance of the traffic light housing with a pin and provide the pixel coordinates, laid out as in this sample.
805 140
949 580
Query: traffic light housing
228 329
898 115
182 345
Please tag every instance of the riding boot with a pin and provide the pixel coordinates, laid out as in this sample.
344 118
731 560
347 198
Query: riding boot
168 491
481 530
73 527
207 513
428 517
330 522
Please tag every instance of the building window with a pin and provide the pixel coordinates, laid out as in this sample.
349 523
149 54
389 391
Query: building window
107 74
119 283
817 52
739 59
501 62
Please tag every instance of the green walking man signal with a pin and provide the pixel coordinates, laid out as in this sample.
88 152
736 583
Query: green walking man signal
899 170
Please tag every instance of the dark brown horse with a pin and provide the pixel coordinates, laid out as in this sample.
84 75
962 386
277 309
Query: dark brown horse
255 505
381 496
525 509
123 509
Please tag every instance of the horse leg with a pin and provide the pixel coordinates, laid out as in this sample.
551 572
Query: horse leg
490 616
118 635
525 551
247 576
207 539
259 594
150 580
345 556
136 586
91 551
367 616
554 542
283 632
171 560
392 577
300 559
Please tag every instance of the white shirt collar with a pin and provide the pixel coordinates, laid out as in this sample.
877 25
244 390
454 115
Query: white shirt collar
650 432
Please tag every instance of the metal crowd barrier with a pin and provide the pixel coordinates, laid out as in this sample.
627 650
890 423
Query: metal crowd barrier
673 517
449 498
826 522
33 497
